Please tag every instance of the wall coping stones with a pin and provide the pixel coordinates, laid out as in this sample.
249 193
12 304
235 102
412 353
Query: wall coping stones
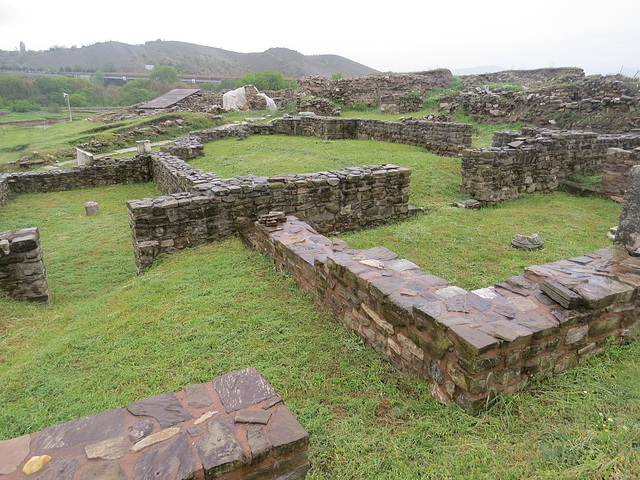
452 337
160 437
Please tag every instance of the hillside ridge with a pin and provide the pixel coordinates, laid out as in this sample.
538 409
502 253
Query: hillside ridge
185 57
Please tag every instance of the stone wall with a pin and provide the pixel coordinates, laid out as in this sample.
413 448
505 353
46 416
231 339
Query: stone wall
524 77
235 427
368 89
350 198
443 138
100 173
22 272
518 164
615 173
470 345
403 103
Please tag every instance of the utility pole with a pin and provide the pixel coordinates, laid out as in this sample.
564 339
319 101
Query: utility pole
66 95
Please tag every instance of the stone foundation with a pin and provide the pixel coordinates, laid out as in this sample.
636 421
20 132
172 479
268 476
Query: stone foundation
470 345
100 173
442 138
213 209
22 272
517 163
234 427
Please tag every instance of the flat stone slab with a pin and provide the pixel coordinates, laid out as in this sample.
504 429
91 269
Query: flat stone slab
242 389
175 460
165 408
13 452
219 450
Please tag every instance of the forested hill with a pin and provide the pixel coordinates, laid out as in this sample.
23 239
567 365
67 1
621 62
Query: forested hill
185 57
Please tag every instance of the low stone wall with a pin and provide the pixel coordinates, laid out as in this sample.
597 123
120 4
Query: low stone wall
22 272
100 173
173 175
234 427
518 163
615 173
5 191
354 197
470 345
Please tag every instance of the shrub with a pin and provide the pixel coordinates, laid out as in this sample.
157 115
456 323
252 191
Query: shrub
23 106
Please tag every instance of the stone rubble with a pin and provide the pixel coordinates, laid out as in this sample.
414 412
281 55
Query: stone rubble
23 275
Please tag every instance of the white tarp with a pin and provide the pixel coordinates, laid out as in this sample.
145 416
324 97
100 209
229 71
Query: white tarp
237 99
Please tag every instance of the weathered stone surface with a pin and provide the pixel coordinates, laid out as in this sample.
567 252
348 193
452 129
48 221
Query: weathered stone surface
527 242
197 396
86 429
253 416
561 294
628 233
105 471
165 408
161 436
242 389
109 449
205 416
219 450
600 292
195 430
257 443
140 429
13 452
173 461
285 433
274 401
60 470
35 463
474 340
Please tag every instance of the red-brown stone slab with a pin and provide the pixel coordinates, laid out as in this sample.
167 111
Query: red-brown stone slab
242 389
13 452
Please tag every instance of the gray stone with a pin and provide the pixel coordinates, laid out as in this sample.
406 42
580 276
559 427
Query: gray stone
219 450
241 389
91 208
105 471
165 408
195 430
109 449
271 403
13 452
197 396
175 461
140 429
527 242
257 443
285 433
561 294
81 430
60 470
253 416
628 233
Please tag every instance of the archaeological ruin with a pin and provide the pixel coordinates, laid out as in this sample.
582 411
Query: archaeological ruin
470 345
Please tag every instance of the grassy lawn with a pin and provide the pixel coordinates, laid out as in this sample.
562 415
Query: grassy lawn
109 337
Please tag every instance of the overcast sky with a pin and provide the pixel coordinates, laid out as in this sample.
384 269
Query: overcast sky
399 36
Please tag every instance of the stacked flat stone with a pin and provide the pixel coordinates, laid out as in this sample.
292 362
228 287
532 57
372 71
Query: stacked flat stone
235 427
101 173
400 103
349 198
628 231
534 161
368 89
23 275
617 167
468 344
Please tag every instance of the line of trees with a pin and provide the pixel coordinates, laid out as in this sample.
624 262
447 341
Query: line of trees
21 94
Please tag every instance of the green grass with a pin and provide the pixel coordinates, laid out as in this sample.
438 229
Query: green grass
109 337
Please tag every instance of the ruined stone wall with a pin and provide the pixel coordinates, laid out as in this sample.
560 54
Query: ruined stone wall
22 272
100 173
522 164
173 175
342 199
368 89
468 344
603 104
615 173
397 104
234 427
524 77
5 191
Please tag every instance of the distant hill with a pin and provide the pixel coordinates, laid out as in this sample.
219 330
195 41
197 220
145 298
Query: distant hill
185 57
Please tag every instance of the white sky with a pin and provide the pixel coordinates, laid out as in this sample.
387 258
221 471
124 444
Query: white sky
400 36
